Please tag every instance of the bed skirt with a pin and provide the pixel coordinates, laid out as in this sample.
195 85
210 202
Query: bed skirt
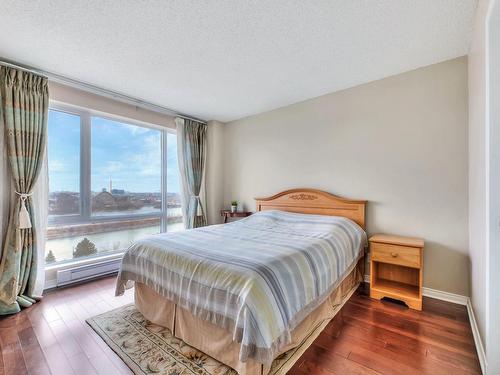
218 343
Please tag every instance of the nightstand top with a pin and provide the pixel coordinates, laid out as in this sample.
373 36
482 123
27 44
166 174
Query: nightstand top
235 214
397 240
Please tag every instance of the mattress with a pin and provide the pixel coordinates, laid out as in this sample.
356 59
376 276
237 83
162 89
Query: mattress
257 278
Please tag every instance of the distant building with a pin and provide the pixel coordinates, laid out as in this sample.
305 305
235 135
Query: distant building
104 201
118 192
63 203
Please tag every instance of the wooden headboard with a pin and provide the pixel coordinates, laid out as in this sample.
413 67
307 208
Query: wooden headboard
311 201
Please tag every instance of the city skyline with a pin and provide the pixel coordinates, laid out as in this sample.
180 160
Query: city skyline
128 154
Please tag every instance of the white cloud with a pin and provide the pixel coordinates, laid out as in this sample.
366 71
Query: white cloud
57 166
136 130
112 166
148 160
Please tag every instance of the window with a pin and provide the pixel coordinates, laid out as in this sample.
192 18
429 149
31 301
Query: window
111 182
125 168
64 163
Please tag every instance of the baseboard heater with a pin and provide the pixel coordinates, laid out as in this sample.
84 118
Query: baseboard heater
89 271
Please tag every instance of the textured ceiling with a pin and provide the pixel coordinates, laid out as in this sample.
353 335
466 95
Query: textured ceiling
229 59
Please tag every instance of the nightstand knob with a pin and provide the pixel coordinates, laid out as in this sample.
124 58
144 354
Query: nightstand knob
394 255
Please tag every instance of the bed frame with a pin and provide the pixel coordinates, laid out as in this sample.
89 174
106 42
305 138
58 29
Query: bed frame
308 201
311 201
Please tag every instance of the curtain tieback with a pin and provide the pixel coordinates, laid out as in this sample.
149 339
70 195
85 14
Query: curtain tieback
24 216
199 208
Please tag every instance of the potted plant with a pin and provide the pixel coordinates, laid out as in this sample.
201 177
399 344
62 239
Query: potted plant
234 206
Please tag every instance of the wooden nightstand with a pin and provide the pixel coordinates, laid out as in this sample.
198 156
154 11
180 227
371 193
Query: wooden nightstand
396 265
228 213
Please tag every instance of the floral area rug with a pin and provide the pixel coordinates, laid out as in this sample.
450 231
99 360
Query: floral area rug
147 348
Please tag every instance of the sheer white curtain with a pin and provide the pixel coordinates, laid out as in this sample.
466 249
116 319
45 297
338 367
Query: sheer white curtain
180 159
185 193
5 190
40 200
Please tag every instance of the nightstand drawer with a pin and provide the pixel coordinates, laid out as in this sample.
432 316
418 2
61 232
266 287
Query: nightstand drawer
396 254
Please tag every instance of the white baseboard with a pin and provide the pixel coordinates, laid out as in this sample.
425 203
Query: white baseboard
460 300
445 296
477 336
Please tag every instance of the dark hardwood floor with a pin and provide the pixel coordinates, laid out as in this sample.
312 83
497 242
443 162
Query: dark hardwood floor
367 337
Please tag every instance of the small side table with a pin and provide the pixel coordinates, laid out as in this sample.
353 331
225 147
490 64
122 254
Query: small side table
396 268
228 213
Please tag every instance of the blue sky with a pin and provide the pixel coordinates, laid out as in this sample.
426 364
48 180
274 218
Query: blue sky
130 155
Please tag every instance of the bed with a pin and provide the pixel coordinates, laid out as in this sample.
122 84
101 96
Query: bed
248 291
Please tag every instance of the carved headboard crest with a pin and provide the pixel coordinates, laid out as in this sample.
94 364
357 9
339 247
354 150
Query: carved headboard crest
303 197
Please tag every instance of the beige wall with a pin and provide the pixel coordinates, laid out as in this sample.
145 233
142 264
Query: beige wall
493 257
493 246
477 167
400 143
214 174
484 178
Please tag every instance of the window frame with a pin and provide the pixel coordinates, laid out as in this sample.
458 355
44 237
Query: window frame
85 215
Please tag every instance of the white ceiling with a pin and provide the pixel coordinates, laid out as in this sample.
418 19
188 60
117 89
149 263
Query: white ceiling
229 59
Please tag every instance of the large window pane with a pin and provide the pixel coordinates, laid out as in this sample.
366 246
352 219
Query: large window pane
120 165
174 212
64 163
85 240
126 168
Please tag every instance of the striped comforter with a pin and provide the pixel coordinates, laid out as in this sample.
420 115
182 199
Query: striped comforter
258 277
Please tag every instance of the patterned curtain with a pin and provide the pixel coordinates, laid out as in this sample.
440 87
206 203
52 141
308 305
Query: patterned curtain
192 150
24 100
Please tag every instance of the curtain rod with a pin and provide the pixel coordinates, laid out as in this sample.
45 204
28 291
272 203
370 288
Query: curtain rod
97 90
